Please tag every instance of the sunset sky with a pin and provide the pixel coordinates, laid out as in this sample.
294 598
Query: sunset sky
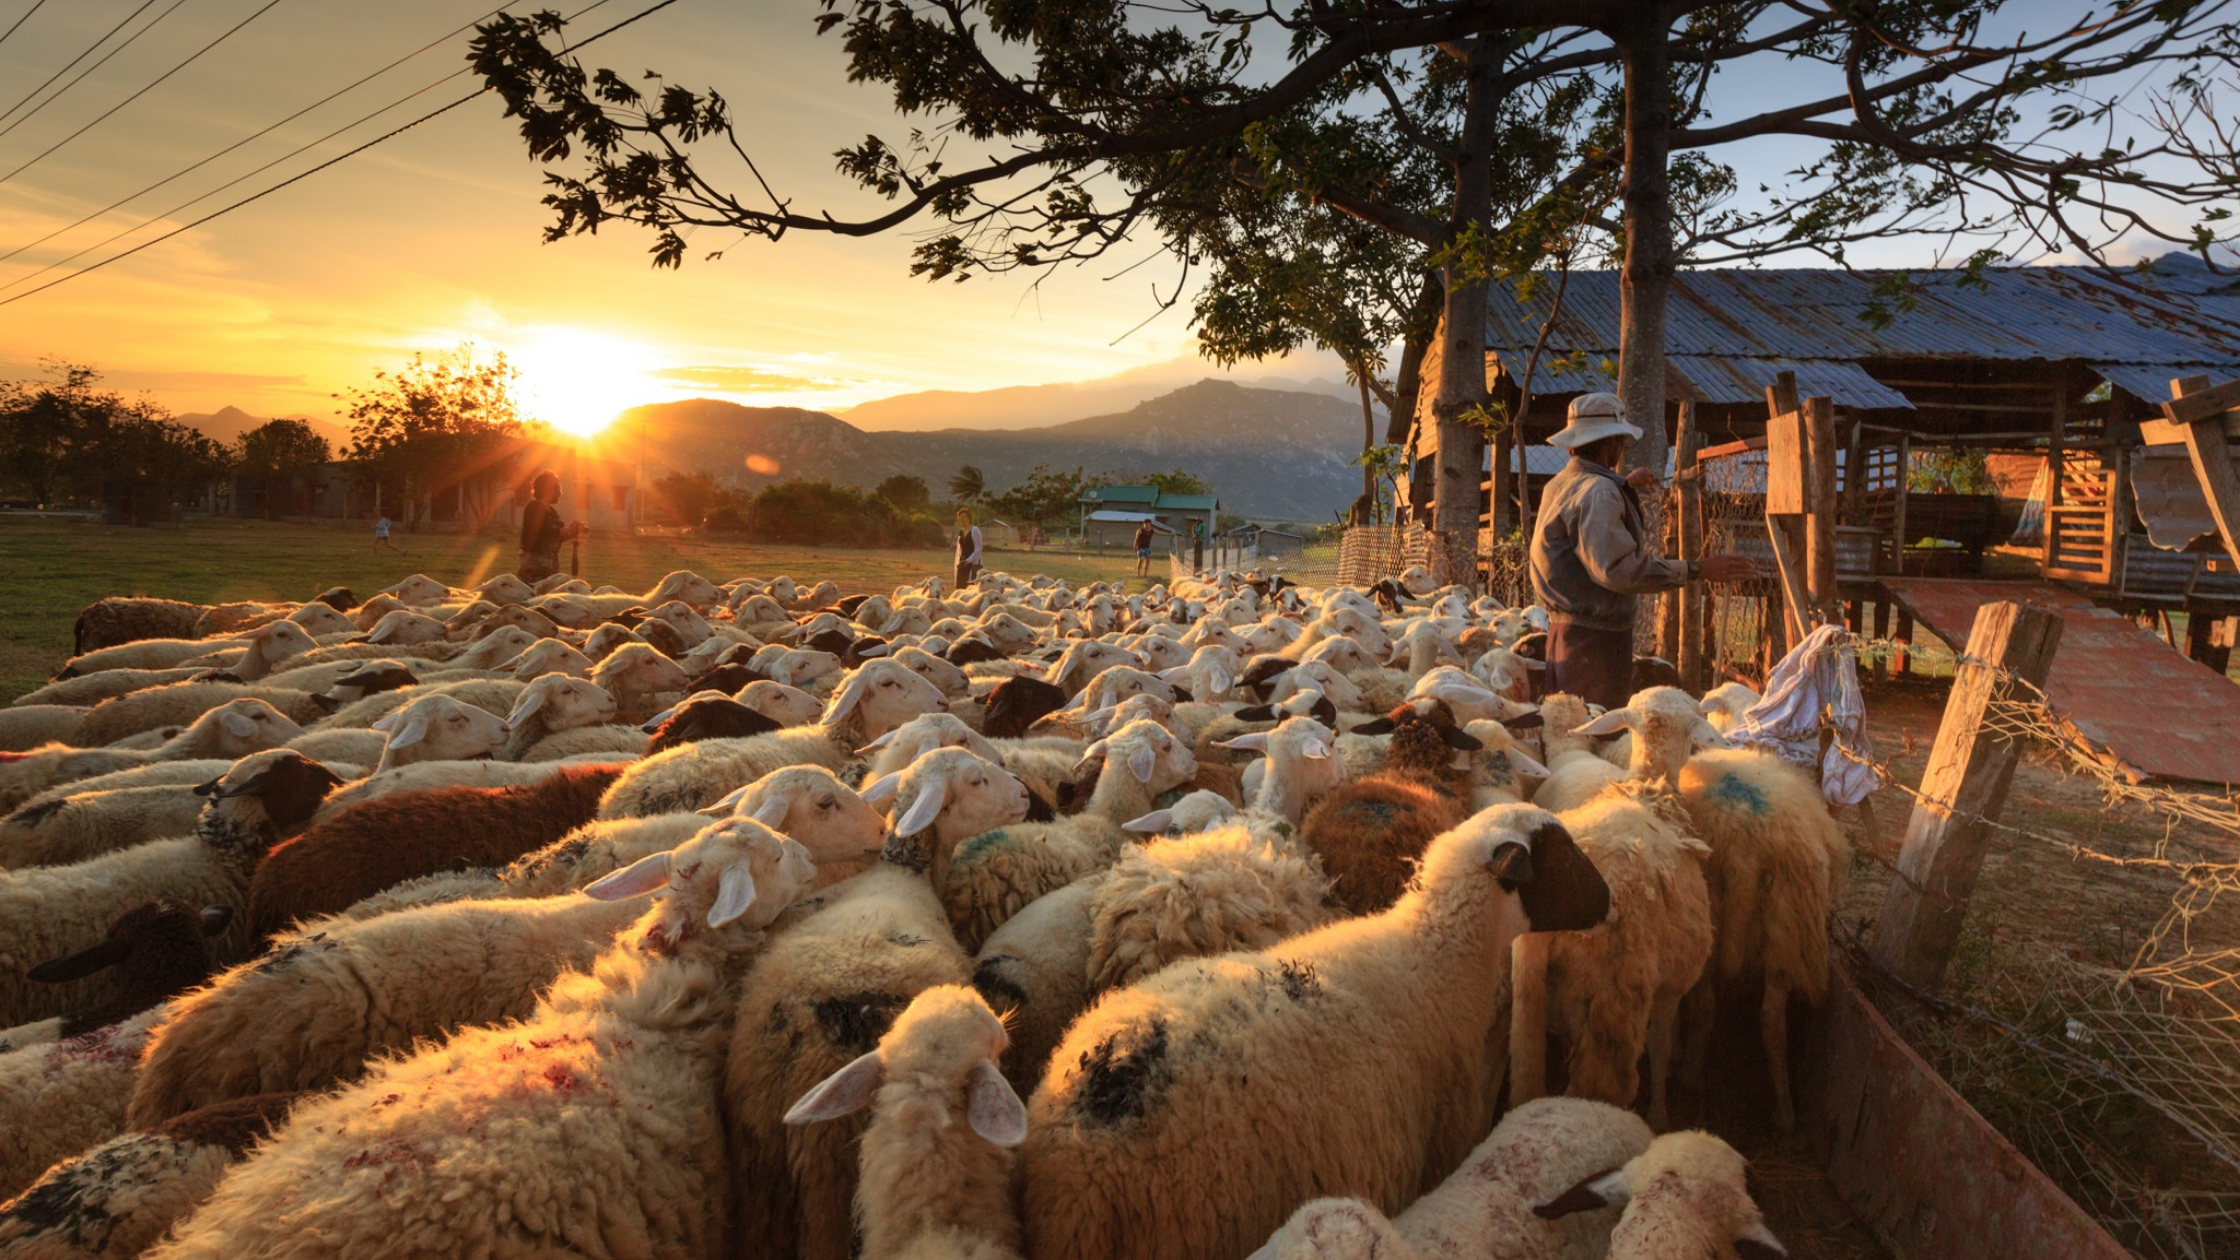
433 238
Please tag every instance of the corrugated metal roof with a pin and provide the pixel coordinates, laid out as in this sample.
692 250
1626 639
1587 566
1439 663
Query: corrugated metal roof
1799 315
1744 380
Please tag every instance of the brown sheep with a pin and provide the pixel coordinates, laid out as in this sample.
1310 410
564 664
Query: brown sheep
1370 831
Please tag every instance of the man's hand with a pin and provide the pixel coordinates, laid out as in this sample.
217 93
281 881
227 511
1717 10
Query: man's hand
1642 480
1727 567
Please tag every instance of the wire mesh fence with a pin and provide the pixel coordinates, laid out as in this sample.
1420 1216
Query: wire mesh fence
1368 554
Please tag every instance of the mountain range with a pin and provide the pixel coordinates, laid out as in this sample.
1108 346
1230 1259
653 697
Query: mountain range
1270 454
1039 406
227 423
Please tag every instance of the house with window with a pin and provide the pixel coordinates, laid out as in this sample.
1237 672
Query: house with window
1110 514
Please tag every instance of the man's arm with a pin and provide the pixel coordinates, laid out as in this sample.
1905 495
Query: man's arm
1612 556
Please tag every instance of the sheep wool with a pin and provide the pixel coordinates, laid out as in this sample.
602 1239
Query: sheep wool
60 830
1372 1037
60 1098
1686 1195
590 1126
180 703
108 622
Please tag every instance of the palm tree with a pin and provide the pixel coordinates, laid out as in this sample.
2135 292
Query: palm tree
968 485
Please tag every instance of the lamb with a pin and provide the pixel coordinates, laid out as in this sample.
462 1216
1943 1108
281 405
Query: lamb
1374 1039
558 716
337 993
638 678
1687 1195
1369 832
1723 705
992 876
87 690
787 706
436 727
152 952
876 698
116 620
353 854
233 729
120 1197
548 656
1300 768
827 989
931 1188
52 910
1488 1207
484 1144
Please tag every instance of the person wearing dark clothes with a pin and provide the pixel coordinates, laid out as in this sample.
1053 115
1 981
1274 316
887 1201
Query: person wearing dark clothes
1589 562
1143 549
542 530
968 549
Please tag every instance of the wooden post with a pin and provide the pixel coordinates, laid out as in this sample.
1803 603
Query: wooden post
1962 792
2202 418
2056 430
1820 502
1898 539
1688 505
1789 466
1855 475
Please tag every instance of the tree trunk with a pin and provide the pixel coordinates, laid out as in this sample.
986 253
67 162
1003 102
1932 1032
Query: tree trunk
1407 383
1645 281
1461 385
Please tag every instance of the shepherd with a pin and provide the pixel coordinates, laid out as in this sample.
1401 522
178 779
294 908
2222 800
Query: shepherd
968 549
1590 563
542 530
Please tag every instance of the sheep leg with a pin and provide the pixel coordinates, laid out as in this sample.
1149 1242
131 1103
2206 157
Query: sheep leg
1528 1018
1663 1015
1699 1013
1773 1026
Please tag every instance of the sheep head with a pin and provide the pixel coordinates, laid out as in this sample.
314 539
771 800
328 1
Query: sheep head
235 729
951 792
548 656
439 728
787 706
321 619
1702 1203
950 679
687 622
562 703
418 591
685 587
1145 750
881 695
1198 811
260 798
811 805
926 732
1334 1229
1666 724
504 590
736 871
947 1043
1545 883
402 627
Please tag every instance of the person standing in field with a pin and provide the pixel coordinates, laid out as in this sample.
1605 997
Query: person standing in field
381 537
1143 548
542 530
1589 559
968 549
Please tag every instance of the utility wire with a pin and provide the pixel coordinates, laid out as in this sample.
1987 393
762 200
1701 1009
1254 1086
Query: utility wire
340 157
245 176
144 6
106 114
35 7
132 197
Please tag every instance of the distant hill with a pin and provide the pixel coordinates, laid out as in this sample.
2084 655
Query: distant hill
1271 454
1040 406
228 423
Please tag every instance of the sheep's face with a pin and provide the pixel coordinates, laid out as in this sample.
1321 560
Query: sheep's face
550 656
811 806
403 627
685 587
567 610
418 591
523 618
797 667
1531 855
883 695
564 703
1505 672
1136 709
1462 692
949 679
369 614
439 728
1319 676
1272 635
787 706
758 608
320 619
688 624
635 670
733 871
505 590
1198 811
607 640
952 791
1084 662
492 650
280 640
1666 726
1500 759
874 612
1346 654
462 624
1115 686
1008 632
1689 1185
1333 1229
240 727
926 732
1148 751
261 794
1213 631
1160 651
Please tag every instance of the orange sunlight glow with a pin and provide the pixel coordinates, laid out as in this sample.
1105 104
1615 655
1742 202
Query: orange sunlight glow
579 381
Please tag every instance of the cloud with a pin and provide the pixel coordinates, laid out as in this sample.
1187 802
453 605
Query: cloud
748 380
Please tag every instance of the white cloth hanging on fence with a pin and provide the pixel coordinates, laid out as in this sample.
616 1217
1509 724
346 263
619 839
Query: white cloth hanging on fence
1819 676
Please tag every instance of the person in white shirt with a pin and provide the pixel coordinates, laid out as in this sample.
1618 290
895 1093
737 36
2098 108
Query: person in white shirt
381 538
968 549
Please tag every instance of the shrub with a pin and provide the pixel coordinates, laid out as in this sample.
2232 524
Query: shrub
839 516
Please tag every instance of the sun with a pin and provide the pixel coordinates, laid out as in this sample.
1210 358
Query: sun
578 381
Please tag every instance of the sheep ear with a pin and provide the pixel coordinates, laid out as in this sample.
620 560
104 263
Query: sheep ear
1524 764
1526 721
881 789
1374 726
1462 740
725 804
884 739
239 725
844 700
843 1093
216 919
88 961
387 720
1218 680
1143 761
1755 1242
1604 1189
993 1108
1181 694
924 808
1155 821
734 894
635 880
532 699
771 812
412 731
1466 695
1511 863
1614 722
1324 711
1315 750
1708 735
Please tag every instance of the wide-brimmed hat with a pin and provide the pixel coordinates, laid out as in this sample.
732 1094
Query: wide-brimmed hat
1594 417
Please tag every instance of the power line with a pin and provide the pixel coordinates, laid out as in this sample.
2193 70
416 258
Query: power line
106 114
35 7
340 157
187 170
81 57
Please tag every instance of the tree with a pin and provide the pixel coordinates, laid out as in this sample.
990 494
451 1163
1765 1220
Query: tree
436 425
64 439
1177 482
967 484
275 453
1045 496
906 494
687 497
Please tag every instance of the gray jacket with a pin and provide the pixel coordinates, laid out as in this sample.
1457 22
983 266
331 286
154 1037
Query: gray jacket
1588 561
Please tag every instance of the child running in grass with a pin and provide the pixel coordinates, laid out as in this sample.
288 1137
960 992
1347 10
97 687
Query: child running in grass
381 538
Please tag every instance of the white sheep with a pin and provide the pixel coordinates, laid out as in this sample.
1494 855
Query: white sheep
492 695
1498 770
826 990
879 696
231 730
438 728
558 716
86 690
1687 1195
1486 1208
59 1098
49 911
1725 704
1300 766
1371 1038
548 656
57 829
488 1144
931 1188
787 706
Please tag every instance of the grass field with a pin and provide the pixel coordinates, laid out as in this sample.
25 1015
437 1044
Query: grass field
52 567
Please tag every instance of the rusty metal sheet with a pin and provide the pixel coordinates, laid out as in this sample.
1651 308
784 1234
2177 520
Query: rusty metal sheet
2169 498
2122 687
1928 1174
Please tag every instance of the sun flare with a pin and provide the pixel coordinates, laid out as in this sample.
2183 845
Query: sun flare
579 381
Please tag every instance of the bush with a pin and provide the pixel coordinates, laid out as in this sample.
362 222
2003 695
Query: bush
819 512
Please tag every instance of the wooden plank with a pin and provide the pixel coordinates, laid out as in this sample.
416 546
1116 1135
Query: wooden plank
2194 400
1688 496
1963 790
1784 533
1898 537
1821 508
2212 462
2056 467
1786 462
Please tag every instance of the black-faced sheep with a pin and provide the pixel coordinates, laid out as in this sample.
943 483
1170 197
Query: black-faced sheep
109 622
153 952
707 717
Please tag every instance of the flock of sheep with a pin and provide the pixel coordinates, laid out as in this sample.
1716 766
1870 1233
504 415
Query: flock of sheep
748 920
